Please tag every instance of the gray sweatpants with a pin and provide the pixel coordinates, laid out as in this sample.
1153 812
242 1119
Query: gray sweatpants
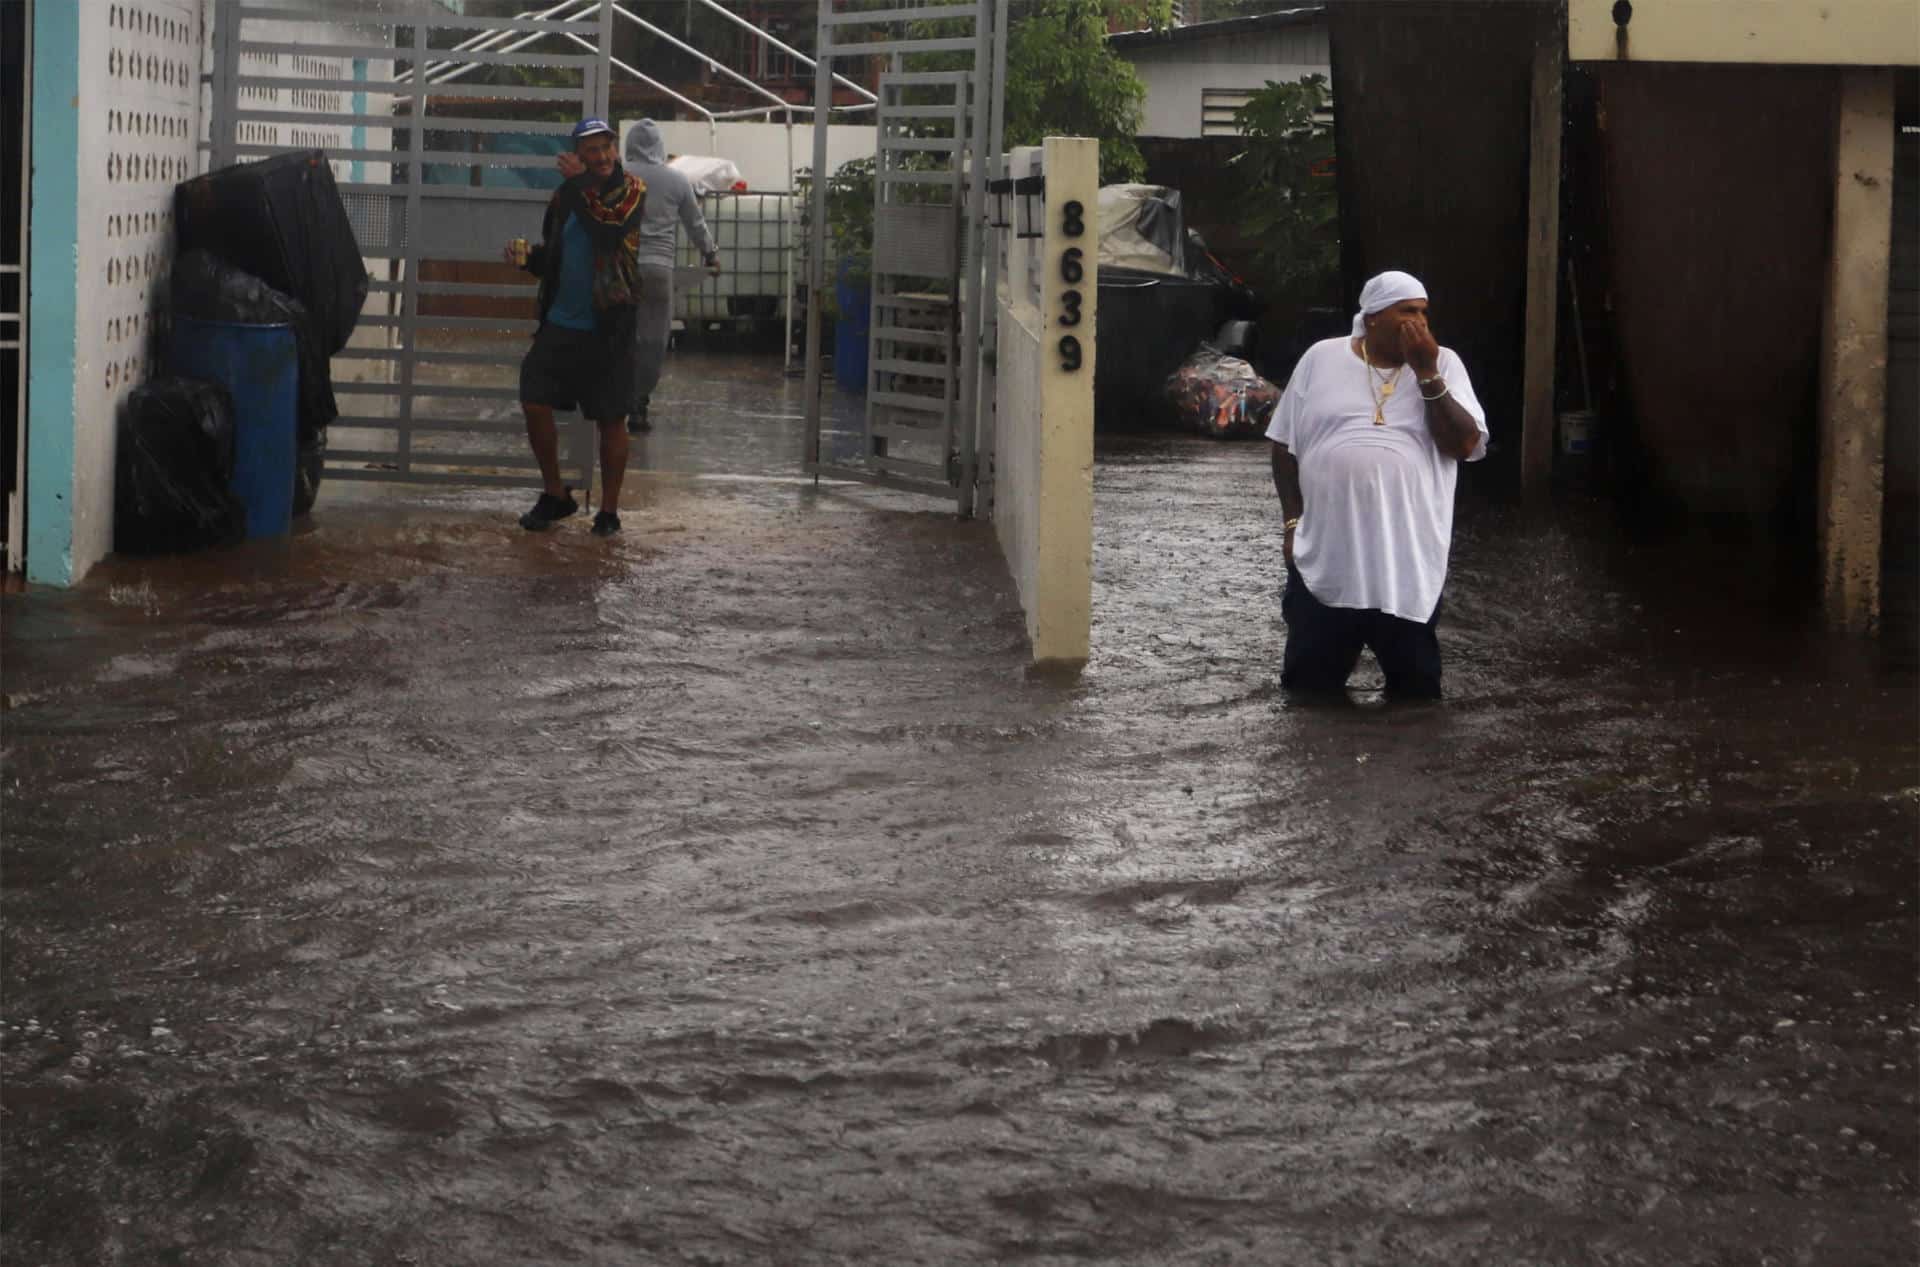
653 323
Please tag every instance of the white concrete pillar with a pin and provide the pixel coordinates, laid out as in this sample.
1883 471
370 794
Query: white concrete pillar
1853 366
1043 381
1060 620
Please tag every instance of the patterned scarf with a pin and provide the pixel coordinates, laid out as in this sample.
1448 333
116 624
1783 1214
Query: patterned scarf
616 273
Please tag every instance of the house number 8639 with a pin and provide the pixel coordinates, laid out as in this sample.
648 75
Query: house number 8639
1072 272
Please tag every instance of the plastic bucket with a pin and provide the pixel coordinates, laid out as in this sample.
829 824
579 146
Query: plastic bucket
853 296
260 368
1576 433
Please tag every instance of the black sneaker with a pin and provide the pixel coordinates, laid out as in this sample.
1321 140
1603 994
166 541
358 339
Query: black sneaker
548 511
605 524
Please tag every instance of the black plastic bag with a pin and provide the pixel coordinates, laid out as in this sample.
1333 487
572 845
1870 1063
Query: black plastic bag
309 465
174 468
210 289
282 220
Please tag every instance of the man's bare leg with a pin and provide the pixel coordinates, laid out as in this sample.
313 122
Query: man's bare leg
613 463
544 439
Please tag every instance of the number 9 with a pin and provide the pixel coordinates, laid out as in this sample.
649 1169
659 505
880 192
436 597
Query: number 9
1069 353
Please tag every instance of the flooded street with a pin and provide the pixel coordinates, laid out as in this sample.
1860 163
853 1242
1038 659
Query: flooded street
425 891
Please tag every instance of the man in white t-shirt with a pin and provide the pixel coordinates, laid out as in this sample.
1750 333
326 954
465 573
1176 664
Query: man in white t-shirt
1367 443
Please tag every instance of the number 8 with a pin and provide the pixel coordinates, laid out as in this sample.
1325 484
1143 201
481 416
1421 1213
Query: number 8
1070 219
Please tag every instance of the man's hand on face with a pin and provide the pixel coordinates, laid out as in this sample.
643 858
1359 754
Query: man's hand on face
571 166
1418 346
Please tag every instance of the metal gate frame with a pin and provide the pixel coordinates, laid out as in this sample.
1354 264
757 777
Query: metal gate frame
16 340
441 430
966 411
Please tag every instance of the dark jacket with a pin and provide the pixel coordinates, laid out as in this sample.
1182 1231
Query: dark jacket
614 248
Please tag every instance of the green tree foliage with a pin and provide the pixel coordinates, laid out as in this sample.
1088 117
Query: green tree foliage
1064 80
1288 202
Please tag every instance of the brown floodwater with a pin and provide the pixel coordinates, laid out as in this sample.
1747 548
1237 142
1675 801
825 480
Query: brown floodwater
418 890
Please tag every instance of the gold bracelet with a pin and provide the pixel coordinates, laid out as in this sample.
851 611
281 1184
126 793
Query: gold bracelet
1291 524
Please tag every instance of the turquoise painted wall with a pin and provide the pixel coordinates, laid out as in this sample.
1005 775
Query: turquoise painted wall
53 259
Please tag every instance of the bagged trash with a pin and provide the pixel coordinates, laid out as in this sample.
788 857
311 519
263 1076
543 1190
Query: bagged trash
309 466
282 220
1221 396
173 470
208 288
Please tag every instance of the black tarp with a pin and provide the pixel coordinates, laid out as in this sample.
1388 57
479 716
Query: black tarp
173 469
282 220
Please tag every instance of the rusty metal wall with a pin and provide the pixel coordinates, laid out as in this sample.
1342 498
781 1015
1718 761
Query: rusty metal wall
1719 205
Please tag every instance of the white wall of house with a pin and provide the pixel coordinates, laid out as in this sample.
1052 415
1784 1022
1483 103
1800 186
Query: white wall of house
1179 72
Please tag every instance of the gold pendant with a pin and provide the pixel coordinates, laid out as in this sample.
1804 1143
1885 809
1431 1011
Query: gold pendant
1386 390
1379 419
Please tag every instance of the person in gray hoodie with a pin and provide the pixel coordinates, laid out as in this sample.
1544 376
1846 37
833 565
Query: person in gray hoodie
671 201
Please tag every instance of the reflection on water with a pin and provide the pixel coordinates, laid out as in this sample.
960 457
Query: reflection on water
421 890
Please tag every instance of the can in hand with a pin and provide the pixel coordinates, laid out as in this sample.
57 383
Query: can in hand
519 248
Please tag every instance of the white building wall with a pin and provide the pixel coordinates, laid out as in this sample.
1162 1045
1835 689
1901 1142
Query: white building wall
759 150
1178 73
138 124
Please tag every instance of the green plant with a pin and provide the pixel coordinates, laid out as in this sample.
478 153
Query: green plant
849 221
1288 202
1064 79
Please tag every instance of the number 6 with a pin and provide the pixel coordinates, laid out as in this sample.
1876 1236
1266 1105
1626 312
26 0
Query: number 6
1070 270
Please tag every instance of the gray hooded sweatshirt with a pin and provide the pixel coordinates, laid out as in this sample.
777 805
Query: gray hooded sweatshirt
670 197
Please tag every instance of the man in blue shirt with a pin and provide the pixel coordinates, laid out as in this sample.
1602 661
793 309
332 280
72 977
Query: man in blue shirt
582 354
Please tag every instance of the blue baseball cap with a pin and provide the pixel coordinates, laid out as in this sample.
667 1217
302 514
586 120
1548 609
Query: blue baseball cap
592 127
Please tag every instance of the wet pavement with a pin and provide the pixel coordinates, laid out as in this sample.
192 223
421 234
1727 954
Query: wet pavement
422 891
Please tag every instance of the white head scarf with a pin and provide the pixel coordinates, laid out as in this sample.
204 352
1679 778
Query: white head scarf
1384 292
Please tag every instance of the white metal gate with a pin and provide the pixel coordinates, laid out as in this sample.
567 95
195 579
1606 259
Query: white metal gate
428 389
938 135
915 369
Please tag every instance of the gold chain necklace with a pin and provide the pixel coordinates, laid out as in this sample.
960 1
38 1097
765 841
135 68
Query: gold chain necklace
1386 383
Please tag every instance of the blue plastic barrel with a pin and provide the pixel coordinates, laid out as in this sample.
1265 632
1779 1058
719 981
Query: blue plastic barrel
260 367
853 296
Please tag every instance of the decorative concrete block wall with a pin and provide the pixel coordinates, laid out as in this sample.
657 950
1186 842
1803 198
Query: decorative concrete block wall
116 105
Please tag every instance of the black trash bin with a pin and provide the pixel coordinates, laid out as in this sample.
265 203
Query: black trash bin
1148 324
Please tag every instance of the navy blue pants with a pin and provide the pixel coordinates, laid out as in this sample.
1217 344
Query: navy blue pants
1324 643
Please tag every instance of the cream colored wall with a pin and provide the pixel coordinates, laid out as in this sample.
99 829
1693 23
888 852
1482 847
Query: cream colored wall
1760 32
1043 428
